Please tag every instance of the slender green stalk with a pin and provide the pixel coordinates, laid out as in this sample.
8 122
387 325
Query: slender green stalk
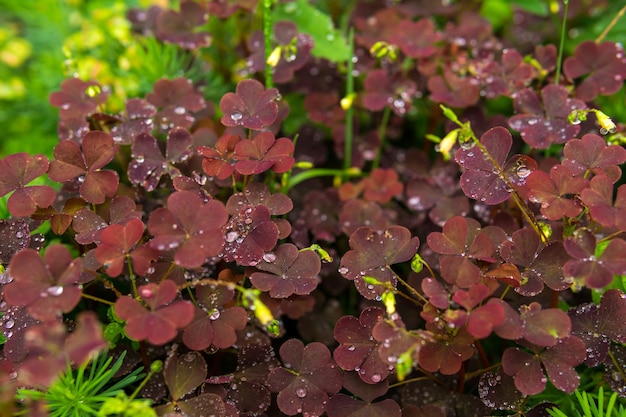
267 35
562 43
318 172
347 158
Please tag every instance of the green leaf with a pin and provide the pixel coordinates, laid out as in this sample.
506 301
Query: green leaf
538 7
329 43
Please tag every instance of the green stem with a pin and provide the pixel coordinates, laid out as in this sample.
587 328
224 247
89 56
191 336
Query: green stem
347 157
133 281
100 300
382 132
562 43
267 34
318 172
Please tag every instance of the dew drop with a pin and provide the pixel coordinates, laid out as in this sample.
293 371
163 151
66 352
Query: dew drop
9 324
343 270
179 110
269 257
301 392
215 314
236 116
351 348
376 378
523 171
55 290
189 357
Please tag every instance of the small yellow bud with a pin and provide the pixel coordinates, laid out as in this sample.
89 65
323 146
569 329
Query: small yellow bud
347 101
606 124
446 144
274 57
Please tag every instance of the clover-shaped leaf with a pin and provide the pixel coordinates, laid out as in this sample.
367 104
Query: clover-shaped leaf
263 152
509 76
251 106
88 225
78 99
599 199
249 234
306 379
371 255
189 226
138 119
446 352
159 323
488 177
118 244
461 243
184 27
598 325
385 90
183 374
177 99
48 287
416 39
540 263
258 193
16 171
85 162
382 185
149 165
287 271
591 153
454 90
551 191
544 327
544 122
603 65
358 350
589 267
342 405
497 390
219 160
558 360
214 323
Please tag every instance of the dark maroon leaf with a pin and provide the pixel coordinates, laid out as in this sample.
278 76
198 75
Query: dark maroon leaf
497 390
453 90
552 192
258 193
78 99
603 65
249 235
287 271
160 323
447 352
71 161
119 244
599 199
48 287
525 370
560 360
219 161
591 153
544 327
594 271
344 405
14 236
306 379
138 119
184 373
416 39
482 178
214 323
382 185
371 255
16 171
542 122
88 225
184 28
263 152
177 99
509 76
385 90
358 351
189 226
251 106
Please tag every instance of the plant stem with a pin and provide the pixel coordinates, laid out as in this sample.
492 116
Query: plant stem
562 43
100 300
347 157
382 132
267 35
613 22
317 172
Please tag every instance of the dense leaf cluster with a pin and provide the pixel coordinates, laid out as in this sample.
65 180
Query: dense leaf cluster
295 253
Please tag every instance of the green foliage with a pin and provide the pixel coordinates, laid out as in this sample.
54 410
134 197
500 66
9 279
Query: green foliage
593 405
82 392
329 43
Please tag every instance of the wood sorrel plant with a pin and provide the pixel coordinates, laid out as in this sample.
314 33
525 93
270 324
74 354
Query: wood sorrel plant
357 270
